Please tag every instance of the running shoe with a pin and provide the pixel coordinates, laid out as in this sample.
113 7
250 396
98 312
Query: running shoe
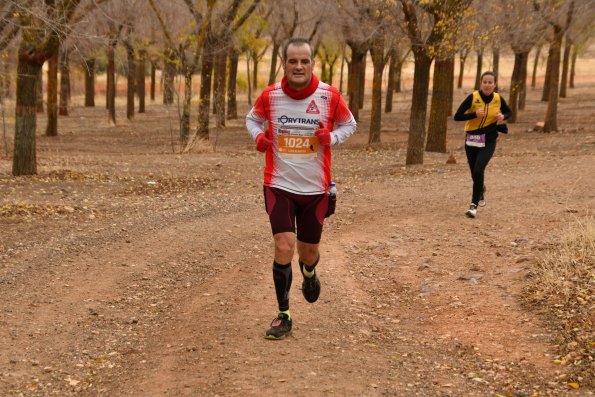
310 287
472 211
482 199
280 327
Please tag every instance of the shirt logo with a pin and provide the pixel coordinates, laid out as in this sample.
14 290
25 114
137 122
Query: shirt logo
312 108
297 120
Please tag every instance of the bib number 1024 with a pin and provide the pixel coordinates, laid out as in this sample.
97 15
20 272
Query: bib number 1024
297 146
298 143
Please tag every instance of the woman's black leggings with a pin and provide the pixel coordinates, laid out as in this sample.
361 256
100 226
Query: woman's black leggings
478 159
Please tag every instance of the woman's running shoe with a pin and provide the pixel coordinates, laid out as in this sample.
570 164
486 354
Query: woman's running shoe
472 211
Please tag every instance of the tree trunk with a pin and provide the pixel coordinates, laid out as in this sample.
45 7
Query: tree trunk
362 82
331 72
496 64
249 85
377 53
232 103
111 82
323 71
274 55
398 76
478 70
89 71
64 84
342 70
551 116
439 110
451 88
255 60
462 58
52 97
152 89
523 81
390 86
5 81
548 76
535 63
169 73
419 105
358 53
185 122
24 160
205 88
130 86
516 83
572 65
40 91
140 80
219 78
565 64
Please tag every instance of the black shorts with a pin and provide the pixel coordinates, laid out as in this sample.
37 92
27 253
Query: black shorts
288 211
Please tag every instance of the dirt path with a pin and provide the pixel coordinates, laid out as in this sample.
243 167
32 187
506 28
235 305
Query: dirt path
131 276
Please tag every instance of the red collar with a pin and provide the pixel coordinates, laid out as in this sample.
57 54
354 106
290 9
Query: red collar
303 93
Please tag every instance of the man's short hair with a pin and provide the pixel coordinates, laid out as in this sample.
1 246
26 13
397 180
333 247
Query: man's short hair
297 41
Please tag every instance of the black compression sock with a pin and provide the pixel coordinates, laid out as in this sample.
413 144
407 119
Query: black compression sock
282 278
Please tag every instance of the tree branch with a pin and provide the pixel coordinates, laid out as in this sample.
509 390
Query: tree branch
244 17
168 37
8 38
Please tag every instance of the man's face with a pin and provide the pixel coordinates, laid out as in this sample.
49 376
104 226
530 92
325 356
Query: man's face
298 66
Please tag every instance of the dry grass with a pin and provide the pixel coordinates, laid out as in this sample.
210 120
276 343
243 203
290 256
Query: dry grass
562 285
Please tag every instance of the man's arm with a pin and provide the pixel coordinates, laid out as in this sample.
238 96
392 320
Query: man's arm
344 125
256 118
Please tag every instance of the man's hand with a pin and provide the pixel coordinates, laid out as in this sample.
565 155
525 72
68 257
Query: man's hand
323 134
262 142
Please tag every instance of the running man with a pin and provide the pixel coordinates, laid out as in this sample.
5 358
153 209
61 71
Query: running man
303 117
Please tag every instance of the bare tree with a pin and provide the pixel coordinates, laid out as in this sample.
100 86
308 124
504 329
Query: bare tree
227 23
485 29
398 55
463 53
424 42
578 36
89 72
535 64
357 38
187 51
523 28
565 66
379 52
64 67
37 45
559 18
329 52
450 14
51 128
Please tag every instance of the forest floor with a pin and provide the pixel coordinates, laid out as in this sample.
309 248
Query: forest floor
127 268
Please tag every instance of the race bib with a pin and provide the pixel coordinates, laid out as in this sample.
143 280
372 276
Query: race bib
477 140
297 143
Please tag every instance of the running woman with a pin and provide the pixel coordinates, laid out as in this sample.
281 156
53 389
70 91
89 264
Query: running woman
294 123
484 112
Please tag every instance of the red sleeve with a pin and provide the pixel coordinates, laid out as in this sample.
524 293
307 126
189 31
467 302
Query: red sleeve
339 110
261 106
